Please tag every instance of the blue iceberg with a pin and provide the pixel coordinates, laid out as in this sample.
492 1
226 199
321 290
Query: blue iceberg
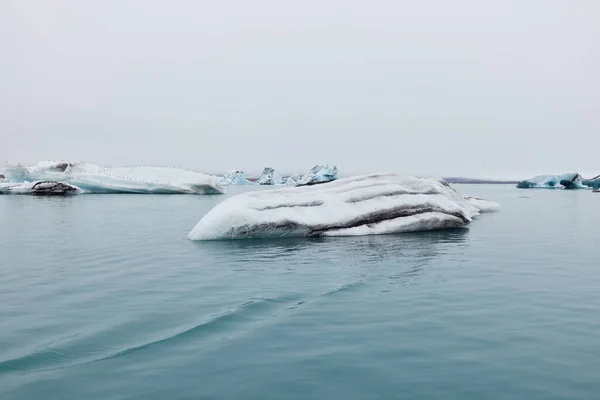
235 177
593 183
319 174
270 177
571 180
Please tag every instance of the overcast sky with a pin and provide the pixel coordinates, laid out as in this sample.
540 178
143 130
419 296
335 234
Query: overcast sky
462 87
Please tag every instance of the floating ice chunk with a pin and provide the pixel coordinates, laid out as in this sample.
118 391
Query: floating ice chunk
234 177
270 177
483 205
571 180
594 183
40 188
92 178
292 180
369 204
319 174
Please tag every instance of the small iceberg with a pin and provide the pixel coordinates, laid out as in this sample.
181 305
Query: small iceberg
594 183
39 188
234 177
319 174
292 180
93 178
570 180
270 177
362 205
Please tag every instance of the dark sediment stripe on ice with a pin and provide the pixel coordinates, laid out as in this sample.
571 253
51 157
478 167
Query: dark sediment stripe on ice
390 194
274 207
368 219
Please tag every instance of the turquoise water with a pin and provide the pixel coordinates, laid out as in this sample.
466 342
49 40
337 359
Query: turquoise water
103 297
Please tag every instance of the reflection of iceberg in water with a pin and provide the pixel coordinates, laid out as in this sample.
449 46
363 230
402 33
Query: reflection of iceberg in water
93 178
398 259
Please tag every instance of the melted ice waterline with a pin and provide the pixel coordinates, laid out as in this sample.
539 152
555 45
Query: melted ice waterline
362 205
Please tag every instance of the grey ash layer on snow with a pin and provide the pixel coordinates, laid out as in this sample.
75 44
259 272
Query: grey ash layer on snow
369 204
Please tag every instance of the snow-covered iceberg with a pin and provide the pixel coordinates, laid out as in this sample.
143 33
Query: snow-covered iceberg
319 174
362 205
234 177
570 180
40 188
93 178
270 177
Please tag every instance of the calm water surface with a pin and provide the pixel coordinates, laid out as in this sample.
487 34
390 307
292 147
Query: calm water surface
103 297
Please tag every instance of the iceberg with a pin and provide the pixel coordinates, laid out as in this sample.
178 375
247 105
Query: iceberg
594 183
319 174
292 180
234 177
270 177
362 205
483 205
93 178
570 180
40 188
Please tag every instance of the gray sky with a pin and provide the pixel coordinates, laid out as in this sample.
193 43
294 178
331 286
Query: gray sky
462 87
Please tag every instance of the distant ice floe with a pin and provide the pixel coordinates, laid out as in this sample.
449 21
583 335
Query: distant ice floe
362 205
93 178
292 180
571 180
234 177
270 177
317 174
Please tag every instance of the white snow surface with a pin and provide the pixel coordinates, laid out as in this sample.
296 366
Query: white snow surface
361 205
93 178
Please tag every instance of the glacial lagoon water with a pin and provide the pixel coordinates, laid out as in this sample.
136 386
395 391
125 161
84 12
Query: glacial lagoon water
104 297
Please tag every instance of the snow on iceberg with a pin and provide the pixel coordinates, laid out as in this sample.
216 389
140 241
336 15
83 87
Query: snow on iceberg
270 177
319 174
40 188
92 178
571 180
362 205
234 177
